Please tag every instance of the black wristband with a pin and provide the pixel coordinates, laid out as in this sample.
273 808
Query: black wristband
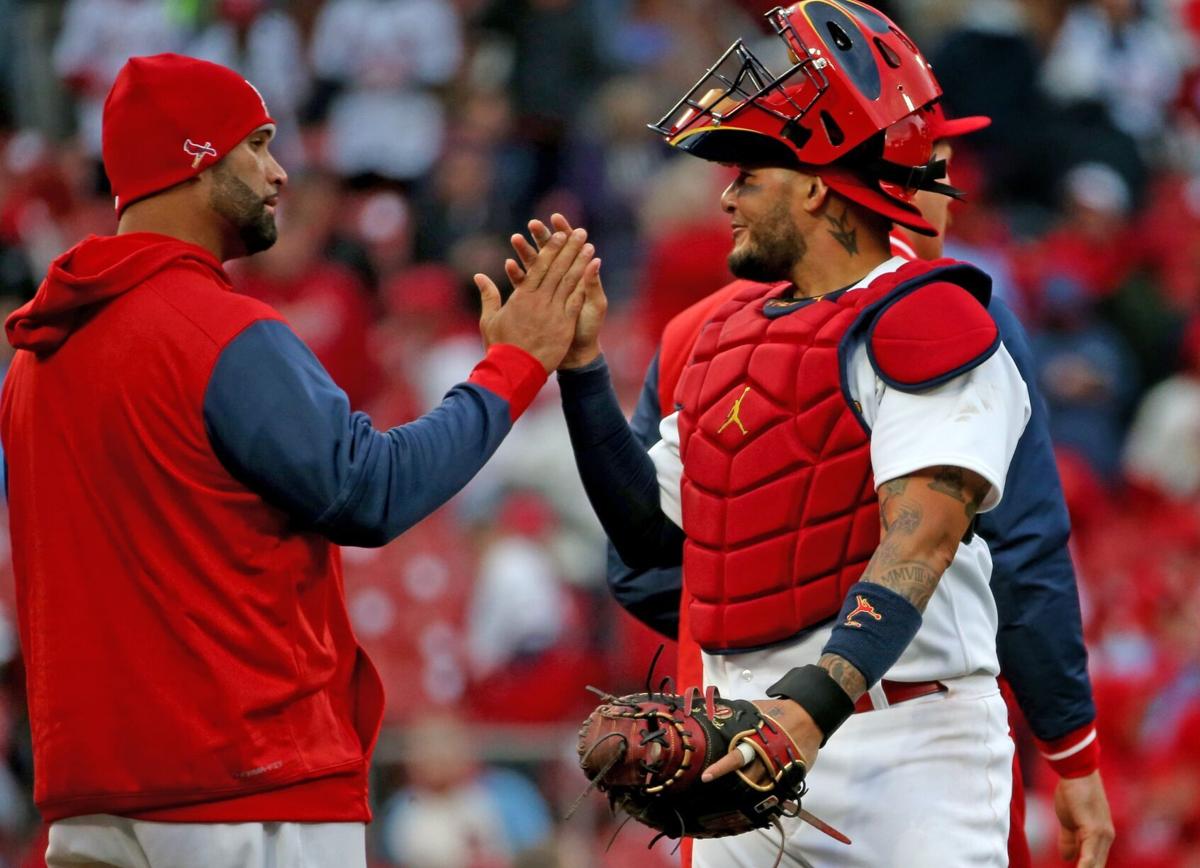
817 693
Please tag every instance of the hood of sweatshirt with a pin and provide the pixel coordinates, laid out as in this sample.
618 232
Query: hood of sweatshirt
93 272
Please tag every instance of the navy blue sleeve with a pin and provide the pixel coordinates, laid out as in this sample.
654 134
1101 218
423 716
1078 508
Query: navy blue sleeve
646 415
618 476
1040 641
283 428
650 595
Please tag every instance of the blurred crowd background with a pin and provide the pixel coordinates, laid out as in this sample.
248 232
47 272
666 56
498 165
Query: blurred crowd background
419 134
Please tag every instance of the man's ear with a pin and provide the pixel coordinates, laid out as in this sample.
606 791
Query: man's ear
815 193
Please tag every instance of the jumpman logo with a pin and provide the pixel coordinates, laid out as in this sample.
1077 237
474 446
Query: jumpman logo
735 417
863 608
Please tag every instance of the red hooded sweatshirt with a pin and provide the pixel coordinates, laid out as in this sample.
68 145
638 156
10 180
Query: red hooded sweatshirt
188 650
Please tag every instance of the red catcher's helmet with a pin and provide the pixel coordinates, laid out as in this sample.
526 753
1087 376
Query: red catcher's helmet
854 103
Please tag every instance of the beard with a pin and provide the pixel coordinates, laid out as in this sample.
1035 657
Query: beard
233 199
770 250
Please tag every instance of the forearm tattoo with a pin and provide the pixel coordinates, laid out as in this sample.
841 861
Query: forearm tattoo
914 580
843 672
914 549
902 562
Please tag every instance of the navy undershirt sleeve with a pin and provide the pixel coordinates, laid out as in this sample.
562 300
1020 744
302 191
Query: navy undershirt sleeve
1040 641
646 415
618 475
284 429
650 595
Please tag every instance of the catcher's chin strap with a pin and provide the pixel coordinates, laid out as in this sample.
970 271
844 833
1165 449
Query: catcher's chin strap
926 177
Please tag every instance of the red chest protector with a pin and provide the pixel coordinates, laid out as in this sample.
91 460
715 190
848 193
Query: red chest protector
779 505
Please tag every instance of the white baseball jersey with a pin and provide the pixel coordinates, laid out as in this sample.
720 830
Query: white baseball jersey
972 421
927 783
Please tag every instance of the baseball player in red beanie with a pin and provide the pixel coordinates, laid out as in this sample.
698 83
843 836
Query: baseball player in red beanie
181 471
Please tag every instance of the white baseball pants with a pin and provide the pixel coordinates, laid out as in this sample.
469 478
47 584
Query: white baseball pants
922 784
105 841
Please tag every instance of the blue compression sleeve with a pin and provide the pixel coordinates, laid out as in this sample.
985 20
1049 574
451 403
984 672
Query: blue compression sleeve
651 595
618 475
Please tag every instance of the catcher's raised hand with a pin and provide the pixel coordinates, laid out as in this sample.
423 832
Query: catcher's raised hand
586 343
540 315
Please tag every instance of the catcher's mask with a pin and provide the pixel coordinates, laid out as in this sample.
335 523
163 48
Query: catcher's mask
854 107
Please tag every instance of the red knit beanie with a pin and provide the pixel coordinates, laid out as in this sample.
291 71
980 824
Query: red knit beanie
170 117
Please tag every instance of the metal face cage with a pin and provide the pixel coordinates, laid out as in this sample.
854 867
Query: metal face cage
739 79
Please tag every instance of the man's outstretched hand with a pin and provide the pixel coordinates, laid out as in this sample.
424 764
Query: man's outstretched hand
585 345
541 314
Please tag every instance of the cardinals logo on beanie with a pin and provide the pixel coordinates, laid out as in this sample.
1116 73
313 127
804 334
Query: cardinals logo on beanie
170 117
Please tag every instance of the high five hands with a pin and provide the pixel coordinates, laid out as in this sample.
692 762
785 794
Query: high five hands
585 345
548 293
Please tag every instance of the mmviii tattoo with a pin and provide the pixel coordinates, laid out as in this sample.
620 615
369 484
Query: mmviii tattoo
843 231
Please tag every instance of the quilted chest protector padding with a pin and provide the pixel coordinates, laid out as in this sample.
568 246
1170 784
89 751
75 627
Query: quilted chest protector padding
779 504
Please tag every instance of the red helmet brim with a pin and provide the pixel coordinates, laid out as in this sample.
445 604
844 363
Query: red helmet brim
946 128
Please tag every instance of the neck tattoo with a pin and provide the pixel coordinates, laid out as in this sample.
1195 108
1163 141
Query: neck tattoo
843 231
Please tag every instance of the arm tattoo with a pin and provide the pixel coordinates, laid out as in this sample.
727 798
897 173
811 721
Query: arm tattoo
913 580
844 673
913 573
898 515
889 491
951 482
843 230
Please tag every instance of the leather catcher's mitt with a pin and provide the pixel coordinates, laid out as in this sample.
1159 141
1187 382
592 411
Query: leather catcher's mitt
646 751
